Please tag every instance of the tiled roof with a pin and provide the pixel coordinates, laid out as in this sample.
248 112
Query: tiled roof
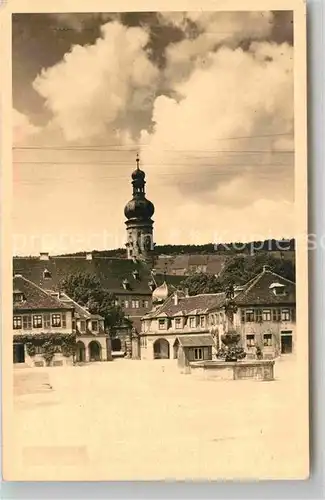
35 297
195 340
195 304
80 311
257 291
111 272
213 263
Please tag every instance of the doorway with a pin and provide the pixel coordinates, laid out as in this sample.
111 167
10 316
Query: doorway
19 353
161 349
286 342
81 352
94 351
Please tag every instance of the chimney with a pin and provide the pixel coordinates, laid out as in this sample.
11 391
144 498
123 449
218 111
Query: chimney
187 293
89 256
44 256
175 299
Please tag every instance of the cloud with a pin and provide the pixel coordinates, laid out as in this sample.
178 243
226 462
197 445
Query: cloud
236 93
79 22
23 129
95 86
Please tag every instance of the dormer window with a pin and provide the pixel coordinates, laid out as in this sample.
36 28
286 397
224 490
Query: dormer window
161 324
47 274
202 321
178 323
126 284
136 274
94 326
18 296
192 322
278 289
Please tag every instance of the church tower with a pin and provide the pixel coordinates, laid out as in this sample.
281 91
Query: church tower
139 225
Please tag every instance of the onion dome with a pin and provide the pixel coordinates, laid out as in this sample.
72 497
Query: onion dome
138 175
160 294
139 209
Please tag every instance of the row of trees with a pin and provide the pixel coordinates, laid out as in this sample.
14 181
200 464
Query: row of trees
237 271
235 248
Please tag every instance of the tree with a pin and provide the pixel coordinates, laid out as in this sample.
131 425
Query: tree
201 283
87 290
240 269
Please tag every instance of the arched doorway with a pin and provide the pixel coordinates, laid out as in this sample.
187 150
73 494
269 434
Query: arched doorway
80 352
161 349
94 351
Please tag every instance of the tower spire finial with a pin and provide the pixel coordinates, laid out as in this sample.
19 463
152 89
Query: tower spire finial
138 161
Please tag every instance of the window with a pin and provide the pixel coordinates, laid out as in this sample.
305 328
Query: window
250 340
192 322
161 324
276 314
27 322
198 353
56 320
145 304
47 321
37 321
267 339
143 341
249 315
202 321
38 349
82 325
46 274
94 325
18 297
178 322
266 315
242 315
135 304
17 322
258 315
285 315
73 324
64 320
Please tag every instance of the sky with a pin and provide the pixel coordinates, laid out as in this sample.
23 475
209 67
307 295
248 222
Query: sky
205 98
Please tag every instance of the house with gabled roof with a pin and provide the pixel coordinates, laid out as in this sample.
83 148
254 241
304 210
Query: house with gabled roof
266 315
265 312
42 326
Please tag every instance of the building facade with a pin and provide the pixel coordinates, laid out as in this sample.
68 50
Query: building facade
265 317
92 341
42 326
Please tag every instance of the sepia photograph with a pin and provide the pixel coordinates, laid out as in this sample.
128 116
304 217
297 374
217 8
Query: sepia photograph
156 315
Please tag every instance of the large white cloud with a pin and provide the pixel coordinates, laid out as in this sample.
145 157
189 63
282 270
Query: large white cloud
236 93
95 85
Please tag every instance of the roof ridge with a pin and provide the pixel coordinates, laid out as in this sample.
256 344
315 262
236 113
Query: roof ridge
38 287
282 277
77 304
252 282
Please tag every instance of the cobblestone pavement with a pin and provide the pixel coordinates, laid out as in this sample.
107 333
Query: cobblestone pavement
144 420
